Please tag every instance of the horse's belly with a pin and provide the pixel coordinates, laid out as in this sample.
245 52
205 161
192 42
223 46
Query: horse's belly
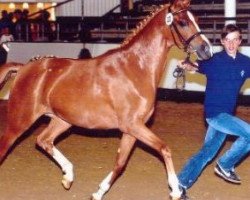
88 117
99 122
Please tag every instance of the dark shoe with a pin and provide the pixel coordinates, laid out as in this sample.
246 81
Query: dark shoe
230 176
183 194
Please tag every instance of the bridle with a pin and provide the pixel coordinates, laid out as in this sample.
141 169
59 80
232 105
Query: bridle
179 73
173 27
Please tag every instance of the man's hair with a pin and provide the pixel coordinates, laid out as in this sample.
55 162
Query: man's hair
229 29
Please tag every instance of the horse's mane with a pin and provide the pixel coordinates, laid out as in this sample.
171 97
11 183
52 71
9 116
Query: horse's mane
142 24
38 57
134 33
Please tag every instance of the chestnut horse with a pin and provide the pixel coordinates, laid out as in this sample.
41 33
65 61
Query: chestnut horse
113 90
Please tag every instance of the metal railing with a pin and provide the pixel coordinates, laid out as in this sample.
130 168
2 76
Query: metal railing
212 26
114 30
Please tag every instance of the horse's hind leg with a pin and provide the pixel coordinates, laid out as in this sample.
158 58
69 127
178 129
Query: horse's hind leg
17 124
126 145
46 141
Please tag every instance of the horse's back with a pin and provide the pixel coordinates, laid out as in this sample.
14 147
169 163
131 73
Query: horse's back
67 88
93 93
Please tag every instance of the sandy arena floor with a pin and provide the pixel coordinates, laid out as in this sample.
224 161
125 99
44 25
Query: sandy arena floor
28 174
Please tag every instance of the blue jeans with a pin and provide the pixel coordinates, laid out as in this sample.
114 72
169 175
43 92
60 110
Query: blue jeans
219 127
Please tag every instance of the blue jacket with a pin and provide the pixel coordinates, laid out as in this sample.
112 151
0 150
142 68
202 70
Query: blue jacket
225 76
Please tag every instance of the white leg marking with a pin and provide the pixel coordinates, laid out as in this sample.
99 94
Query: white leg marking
66 166
103 187
174 184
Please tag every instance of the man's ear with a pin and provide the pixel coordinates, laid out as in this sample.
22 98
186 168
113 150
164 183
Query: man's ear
241 39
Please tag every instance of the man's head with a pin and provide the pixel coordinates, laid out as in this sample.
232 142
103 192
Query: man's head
231 39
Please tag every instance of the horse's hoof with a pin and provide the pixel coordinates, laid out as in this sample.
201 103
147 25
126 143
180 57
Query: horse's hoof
96 196
175 198
66 184
182 197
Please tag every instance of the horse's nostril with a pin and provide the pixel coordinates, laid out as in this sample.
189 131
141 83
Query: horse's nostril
204 51
206 48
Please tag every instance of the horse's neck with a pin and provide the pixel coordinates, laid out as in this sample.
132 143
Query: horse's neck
151 48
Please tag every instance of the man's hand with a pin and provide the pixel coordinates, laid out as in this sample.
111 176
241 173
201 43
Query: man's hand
188 65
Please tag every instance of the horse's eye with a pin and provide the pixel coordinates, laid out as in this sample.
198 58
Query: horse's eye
183 23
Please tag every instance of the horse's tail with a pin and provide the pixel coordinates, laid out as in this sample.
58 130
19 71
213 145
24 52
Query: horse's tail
6 141
7 70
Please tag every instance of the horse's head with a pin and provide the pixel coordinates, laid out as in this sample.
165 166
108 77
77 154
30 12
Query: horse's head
185 30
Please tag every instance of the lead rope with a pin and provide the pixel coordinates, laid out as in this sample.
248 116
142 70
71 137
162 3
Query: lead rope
180 75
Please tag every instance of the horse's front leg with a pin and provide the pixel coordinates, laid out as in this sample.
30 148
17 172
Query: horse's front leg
145 135
126 145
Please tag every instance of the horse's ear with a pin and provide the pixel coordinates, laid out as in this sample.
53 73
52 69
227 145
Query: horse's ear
186 3
179 4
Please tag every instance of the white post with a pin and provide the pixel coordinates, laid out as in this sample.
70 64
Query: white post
230 10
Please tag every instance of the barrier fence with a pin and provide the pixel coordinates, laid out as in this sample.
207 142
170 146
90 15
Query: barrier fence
98 29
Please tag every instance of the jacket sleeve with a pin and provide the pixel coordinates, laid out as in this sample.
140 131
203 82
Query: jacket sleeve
204 65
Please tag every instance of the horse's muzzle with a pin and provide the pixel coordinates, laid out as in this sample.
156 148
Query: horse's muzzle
204 51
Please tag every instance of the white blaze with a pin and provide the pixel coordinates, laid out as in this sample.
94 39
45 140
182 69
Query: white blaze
191 17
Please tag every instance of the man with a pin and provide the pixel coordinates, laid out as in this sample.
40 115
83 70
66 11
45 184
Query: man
226 72
6 37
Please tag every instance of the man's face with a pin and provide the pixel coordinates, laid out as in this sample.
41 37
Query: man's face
231 43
